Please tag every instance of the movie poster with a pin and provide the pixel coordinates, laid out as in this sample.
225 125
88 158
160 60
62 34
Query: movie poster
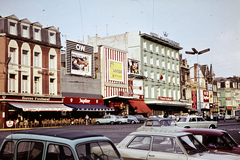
81 63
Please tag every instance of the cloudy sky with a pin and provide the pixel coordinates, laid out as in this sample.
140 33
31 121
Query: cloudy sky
199 24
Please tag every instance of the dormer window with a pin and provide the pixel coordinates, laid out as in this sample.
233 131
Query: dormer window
37 34
12 28
52 37
25 31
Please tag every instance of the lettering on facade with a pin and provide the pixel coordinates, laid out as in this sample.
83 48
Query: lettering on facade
36 98
165 39
80 47
84 100
165 98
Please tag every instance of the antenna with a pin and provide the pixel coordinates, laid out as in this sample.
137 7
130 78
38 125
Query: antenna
165 34
107 29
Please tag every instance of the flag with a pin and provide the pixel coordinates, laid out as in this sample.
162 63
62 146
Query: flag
161 76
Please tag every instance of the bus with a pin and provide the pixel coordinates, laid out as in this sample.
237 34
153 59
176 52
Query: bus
237 115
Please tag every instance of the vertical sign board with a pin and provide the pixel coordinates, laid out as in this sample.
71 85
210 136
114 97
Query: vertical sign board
205 96
116 70
79 58
194 99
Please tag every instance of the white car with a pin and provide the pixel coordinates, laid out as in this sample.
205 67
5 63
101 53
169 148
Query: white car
107 119
195 122
163 145
121 120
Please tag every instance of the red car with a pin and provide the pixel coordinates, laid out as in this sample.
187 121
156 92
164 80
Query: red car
215 139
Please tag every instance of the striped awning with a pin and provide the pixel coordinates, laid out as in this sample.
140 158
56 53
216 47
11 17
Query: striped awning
89 107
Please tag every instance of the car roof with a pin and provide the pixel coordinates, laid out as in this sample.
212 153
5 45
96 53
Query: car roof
216 132
161 133
161 119
60 133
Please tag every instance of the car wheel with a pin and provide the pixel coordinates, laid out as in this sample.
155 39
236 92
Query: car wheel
132 122
97 123
212 127
111 122
187 127
120 122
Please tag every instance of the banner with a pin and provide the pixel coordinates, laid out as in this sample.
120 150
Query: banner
194 99
116 71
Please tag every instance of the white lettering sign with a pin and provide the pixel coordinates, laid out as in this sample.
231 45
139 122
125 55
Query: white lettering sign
80 47
84 101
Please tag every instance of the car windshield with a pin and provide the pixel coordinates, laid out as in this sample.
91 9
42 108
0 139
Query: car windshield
183 119
97 150
228 139
192 145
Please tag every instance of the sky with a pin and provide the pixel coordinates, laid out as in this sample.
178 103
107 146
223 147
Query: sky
198 24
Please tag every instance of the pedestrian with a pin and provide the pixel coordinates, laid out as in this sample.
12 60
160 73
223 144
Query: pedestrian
86 119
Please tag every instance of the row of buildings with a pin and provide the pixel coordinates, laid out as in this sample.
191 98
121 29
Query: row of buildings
128 73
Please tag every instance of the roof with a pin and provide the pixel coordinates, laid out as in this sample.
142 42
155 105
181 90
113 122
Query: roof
160 133
60 133
204 131
161 119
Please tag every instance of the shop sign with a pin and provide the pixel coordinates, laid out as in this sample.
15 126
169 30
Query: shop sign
194 99
36 98
75 100
9 124
165 98
228 98
184 100
227 91
229 107
210 97
206 96
210 88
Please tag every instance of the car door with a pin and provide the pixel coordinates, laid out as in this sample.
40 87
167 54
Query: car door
165 148
202 123
193 122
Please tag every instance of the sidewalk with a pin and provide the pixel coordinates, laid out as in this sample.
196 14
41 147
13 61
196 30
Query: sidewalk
16 129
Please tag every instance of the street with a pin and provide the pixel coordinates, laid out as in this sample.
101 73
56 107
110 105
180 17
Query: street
117 132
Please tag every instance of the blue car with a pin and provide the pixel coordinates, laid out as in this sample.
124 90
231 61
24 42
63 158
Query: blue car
131 119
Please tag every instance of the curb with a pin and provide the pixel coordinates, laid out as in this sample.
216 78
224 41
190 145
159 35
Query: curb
17 129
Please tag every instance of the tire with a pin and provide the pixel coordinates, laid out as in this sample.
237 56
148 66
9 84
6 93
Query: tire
132 122
97 123
111 122
212 126
119 122
187 127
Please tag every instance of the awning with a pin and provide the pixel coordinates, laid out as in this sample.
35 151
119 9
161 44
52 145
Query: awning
140 106
89 107
39 107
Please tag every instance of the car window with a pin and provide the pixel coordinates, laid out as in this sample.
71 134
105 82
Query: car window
229 140
199 137
97 151
140 142
165 144
7 151
200 119
149 123
29 150
156 123
182 119
192 119
58 152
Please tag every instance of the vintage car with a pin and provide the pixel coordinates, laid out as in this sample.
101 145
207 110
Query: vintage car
131 119
107 119
160 124
215 140
140 118
57 144
195 122
121 120
165 145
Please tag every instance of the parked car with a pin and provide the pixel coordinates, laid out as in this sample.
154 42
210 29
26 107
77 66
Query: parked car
228 117
57 144
160 125
131 119
195 122
107 119
121 120
215 139
140 118
162 145
155 116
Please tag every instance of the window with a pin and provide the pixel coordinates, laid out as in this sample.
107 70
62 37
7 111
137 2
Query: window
140 142
25 57
164 78
96 150
218 85
178 80
12 54
158 76
178 94
30 150
151 61
56 151
25 32
52 37
173 67
145 59
52 63
165 144
51 86
152 75
163 51
152 92
163 64
146 91
37 34
169 93
24 84
177 56
12 28
173 54
7 151
36 59
12 82
168 52
36 85
164 92
144 45
157 62
227 84
174 95
151 47
177 68
157 50
228 103
219 94
158 92
145 73
168 66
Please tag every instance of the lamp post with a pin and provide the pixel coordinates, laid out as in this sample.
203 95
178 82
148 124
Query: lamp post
196 52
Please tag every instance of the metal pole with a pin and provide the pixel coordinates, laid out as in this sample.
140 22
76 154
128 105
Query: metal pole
199 99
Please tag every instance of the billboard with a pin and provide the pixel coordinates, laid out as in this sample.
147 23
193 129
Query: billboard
133 66
194 99
116 70
206 96
81 63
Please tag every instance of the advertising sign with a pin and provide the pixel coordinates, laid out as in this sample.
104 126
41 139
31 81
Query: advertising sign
205 96
81 63
133 66
194 99
210 97
116 70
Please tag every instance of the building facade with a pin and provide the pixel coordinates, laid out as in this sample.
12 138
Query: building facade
153 69
30 69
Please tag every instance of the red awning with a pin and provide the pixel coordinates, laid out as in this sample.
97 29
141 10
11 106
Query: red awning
140 106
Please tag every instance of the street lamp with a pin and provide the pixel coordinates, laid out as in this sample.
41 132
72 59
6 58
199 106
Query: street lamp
196 52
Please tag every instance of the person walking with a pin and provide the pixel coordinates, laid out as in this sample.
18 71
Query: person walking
86 119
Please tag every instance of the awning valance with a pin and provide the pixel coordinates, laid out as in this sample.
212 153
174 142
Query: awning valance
39 107
89 107
140 106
